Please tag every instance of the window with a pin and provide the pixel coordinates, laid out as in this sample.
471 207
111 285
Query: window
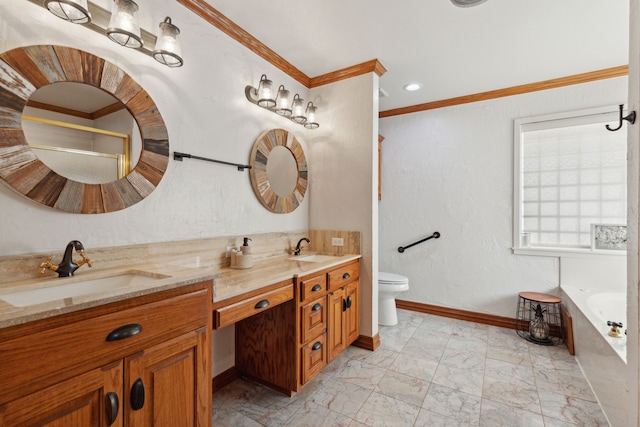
570 172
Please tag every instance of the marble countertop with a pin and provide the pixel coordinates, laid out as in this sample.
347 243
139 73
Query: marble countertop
230 282
227 283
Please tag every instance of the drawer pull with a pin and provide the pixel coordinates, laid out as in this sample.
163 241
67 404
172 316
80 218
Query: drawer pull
112 407
316 346
344 305
317 306
137 394
346 276
349 301
262 304
125 331
316 288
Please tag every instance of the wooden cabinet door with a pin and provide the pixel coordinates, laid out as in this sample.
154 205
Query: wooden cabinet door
352 314
93 399
169 384
335 324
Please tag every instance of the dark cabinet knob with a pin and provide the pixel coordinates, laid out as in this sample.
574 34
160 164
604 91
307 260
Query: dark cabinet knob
316 307
346 276
112 407
137 394
349 301
124 331
316 346
316 288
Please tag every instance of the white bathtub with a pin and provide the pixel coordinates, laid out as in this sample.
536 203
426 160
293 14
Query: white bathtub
600 306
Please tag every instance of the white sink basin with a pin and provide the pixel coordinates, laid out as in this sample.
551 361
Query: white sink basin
79 287
316 258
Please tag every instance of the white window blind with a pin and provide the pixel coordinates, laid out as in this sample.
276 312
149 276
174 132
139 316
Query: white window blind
571 173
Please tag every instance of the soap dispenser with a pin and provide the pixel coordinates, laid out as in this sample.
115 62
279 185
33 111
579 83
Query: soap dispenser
245 248
243 258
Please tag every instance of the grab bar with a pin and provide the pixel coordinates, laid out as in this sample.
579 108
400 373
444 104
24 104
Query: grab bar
433 236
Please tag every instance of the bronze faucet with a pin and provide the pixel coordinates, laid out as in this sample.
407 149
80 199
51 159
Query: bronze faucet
297 250
67 266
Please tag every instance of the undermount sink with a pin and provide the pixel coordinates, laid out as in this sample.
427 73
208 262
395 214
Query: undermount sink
79 287
316 258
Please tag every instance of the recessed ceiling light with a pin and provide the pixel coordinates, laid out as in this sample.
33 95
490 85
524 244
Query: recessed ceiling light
411 87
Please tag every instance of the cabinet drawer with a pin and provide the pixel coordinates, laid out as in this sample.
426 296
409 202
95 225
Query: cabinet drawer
313 287
241 310
313 319
31 362
343 275
313 358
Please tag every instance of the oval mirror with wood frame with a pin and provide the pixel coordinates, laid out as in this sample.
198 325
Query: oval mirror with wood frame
278 171
26 69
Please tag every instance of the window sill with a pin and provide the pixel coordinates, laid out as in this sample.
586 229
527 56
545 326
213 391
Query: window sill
569 252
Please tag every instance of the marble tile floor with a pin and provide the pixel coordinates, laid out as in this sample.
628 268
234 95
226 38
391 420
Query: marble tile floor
428 371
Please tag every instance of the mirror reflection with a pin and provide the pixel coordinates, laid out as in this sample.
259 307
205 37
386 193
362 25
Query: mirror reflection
81 132
282 171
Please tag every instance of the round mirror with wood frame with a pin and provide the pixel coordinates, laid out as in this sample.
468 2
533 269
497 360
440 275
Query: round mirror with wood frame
24 70
262 176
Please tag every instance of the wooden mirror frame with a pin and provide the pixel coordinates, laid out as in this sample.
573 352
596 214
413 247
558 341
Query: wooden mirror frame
262 148
22 71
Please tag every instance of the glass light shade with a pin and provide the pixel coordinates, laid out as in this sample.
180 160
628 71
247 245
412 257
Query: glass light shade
123 26
167 50
265 93
282 102
75 11
297 110
311 117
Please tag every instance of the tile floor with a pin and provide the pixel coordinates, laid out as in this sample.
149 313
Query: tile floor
428 371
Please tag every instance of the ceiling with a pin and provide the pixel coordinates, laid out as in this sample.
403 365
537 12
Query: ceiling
451 51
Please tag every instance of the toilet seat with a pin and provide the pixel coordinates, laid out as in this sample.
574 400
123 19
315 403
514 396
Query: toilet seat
391 279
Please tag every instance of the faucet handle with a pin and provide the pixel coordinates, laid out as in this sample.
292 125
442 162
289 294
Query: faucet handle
84 260
47 265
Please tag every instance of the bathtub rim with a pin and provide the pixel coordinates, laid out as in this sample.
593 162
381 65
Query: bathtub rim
579 296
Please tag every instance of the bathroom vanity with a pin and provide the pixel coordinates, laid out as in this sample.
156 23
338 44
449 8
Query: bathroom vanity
141 354
140 361
288 330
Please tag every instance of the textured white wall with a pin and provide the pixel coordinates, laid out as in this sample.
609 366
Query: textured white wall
450 170
206 114
344 178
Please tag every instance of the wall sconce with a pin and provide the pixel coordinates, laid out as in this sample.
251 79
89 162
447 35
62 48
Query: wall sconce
294 110
121 26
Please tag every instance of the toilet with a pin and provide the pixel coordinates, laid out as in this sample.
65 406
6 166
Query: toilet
389 286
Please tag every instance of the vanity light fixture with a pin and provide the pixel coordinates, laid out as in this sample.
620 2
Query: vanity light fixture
297 110
265 93
167 49
311 117
281 104
75 11
121 26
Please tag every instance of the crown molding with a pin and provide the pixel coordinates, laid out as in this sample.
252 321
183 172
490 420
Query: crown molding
606 73
233 30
